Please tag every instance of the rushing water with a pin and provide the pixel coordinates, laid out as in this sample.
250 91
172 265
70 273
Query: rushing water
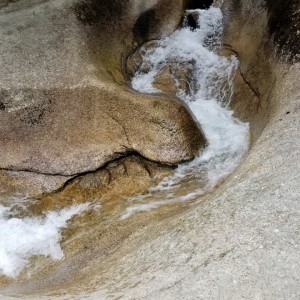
22 238
208 97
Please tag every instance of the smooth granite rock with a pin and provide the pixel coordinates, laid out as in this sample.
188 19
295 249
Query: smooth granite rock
240 242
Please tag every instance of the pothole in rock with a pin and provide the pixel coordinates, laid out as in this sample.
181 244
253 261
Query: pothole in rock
185 65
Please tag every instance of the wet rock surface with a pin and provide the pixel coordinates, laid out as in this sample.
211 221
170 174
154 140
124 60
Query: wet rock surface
120 179
243 240
170 79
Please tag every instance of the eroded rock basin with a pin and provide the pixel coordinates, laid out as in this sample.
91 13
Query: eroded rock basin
238 241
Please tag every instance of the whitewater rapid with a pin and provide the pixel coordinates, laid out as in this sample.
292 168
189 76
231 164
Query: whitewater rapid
24 237
208 98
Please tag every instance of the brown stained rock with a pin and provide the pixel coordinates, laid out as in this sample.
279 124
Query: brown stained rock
117 181
72 131
29 184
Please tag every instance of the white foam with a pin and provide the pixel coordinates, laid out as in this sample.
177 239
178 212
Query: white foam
22 238
228 138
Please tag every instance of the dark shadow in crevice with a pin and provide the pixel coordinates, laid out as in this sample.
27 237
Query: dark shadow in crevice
199 4
284 27
118 158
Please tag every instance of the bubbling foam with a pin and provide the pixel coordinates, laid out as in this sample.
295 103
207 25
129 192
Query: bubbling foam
22 238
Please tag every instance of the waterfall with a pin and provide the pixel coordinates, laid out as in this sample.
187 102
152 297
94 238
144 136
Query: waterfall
210 90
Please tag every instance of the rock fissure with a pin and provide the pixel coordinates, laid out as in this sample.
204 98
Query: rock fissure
117 161
251 88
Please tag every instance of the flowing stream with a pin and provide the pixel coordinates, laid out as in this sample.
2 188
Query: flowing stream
208 96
